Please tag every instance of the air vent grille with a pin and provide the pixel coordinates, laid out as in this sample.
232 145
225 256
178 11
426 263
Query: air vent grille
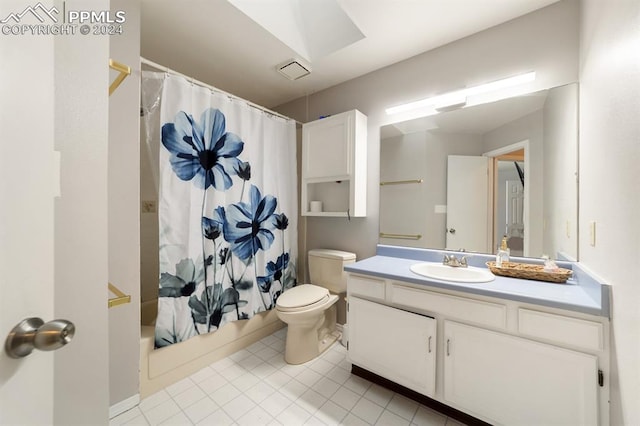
294 69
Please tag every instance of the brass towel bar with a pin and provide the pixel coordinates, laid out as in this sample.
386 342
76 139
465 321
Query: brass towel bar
401 236
124 72
399 182
120 298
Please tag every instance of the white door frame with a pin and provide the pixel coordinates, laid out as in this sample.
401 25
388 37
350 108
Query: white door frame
527 198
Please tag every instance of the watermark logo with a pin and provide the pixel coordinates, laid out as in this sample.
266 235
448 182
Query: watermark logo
40 20
39 10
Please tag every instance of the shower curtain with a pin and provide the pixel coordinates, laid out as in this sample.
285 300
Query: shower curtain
227 206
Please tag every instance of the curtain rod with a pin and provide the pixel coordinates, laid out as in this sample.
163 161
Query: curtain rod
215 89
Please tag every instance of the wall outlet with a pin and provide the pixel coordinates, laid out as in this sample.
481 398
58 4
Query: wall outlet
149 206
592 233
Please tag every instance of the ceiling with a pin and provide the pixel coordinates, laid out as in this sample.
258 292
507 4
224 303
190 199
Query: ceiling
214 42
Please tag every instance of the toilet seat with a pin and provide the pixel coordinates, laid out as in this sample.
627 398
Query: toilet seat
302 297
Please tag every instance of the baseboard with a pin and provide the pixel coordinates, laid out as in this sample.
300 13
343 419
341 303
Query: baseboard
122 406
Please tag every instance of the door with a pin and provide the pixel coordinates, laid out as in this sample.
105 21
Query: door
467 203
515 213
395 344
515 217
53 257
514 381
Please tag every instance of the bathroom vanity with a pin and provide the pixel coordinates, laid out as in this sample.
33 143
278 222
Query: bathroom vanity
508 351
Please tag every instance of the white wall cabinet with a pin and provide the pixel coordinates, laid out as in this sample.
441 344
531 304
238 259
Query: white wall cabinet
502 361
334 165
516 381
393 343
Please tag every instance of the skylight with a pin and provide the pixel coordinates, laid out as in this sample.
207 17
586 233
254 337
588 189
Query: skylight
312 28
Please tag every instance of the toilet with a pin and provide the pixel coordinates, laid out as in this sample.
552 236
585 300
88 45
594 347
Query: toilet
309 310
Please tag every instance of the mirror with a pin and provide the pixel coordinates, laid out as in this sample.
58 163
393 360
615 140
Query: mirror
465 178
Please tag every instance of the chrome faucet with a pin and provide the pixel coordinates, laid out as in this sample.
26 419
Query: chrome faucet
453 261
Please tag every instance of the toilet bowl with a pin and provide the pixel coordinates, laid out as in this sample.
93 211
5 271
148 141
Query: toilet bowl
310 314
309 310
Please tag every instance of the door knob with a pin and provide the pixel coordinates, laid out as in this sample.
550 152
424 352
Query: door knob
34 333
452 230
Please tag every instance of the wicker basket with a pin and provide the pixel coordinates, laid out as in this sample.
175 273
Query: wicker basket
530 272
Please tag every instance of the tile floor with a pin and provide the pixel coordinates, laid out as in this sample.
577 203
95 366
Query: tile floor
256 387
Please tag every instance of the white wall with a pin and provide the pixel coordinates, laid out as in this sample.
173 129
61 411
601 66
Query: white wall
560 168
609 179
81 114
124 208
545 41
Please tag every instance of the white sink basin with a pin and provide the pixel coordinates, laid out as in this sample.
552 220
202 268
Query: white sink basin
439 271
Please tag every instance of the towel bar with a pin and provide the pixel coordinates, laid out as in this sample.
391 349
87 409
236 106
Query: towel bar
399 182
120 298
401 236
124 72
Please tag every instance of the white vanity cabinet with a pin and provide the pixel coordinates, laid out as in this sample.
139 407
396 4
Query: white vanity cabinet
393 343
502 361
516 381
334 165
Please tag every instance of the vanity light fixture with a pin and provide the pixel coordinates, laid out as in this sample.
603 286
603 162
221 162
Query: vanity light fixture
450 102
463 97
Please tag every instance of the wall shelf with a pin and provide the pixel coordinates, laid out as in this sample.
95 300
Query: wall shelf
334 164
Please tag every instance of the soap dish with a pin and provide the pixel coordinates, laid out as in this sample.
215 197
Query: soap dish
528 271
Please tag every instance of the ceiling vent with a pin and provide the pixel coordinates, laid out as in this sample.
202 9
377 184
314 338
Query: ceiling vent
294 69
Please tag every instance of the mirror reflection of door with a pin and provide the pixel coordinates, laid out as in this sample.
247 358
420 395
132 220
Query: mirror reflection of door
509 213
468 203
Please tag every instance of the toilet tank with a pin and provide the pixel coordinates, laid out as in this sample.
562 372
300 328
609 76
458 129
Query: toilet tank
326 268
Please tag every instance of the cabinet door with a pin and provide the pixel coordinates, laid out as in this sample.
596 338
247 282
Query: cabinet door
515 381
395 344
327 146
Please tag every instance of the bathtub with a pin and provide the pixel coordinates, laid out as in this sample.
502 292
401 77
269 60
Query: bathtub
162 367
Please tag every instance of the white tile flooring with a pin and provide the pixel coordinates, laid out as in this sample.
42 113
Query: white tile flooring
256 387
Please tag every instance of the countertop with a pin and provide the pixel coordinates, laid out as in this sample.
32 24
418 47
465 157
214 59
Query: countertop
582 293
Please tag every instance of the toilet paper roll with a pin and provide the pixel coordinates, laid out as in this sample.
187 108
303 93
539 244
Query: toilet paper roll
315 206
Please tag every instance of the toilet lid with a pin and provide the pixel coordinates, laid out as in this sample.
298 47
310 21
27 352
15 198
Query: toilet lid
302 296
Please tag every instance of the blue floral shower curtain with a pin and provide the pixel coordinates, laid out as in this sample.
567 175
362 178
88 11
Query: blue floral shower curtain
227 210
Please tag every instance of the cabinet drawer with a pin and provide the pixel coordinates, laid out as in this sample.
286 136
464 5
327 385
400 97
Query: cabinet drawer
564 330
366 287
476 311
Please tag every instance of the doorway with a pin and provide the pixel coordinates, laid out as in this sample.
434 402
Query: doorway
510 197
